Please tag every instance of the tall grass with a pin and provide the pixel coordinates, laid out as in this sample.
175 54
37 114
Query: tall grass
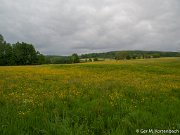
101 98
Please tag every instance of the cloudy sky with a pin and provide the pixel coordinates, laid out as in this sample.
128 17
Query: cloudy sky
63 27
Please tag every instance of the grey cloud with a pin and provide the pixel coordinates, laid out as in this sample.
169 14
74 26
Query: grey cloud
66 26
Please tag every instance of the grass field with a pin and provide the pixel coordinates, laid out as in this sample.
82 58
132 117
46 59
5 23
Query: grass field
100 98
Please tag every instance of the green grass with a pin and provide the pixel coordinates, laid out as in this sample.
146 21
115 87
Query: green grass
100 98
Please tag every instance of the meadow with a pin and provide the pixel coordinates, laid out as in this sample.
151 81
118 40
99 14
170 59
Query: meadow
97 98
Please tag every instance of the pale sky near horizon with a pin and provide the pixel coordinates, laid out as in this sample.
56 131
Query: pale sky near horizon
63 27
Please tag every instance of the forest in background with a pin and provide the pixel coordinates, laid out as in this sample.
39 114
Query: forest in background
26 54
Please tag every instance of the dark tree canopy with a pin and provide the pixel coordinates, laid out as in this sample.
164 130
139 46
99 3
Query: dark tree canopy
6 54
25 54
1 39
19 54
75 58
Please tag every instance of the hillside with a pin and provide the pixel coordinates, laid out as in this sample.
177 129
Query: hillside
132 54
54 59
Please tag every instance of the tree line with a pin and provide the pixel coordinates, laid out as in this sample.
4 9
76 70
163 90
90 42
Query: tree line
25 54
19 54
50 59
120 55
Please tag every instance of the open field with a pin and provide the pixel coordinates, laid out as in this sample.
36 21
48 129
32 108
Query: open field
109 97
